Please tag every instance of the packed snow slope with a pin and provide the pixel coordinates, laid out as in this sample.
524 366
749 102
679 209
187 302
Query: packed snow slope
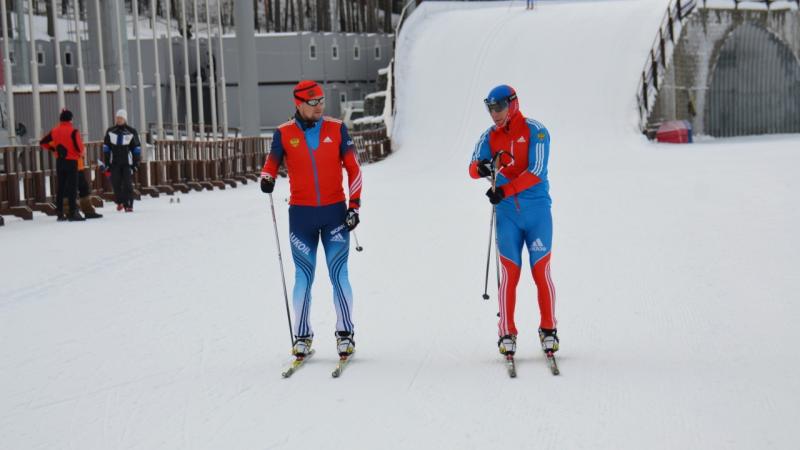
675 268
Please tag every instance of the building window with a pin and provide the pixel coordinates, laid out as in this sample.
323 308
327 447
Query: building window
356 52
335 51
40 58
312 50
377 51
68 59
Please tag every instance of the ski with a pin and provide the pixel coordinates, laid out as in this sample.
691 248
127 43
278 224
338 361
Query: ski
296 364
340 366
551 362
511 366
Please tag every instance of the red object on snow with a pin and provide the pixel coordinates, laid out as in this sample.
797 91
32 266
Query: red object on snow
675 132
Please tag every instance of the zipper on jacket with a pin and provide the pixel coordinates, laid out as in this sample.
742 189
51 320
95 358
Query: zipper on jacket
316 175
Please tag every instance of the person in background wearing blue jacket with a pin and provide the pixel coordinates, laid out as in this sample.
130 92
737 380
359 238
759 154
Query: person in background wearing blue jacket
122 152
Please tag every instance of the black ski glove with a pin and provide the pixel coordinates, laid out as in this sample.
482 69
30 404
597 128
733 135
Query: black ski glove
61 151
485 168
495 196
352 220
267 184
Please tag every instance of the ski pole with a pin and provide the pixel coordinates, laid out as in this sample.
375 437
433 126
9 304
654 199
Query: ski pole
358 247
491 230
494 220
495 160
488 258
497 252
280 262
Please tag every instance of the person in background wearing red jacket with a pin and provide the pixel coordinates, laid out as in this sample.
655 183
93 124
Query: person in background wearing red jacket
316 149
65 141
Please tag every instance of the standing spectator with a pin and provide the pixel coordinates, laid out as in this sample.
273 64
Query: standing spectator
122 153
65 141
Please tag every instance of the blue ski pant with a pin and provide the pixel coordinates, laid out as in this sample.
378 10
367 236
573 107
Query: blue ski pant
307 225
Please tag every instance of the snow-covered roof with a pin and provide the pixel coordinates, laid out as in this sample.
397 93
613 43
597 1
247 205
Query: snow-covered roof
368 119
375 95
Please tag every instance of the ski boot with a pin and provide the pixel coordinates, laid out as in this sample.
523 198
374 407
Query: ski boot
507 344
345 344
302 346
549 340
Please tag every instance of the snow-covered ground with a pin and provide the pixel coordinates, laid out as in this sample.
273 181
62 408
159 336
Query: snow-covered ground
675 268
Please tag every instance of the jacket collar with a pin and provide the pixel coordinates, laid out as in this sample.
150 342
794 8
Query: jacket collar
304 124
513 123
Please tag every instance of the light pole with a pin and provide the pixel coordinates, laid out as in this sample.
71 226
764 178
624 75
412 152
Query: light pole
37 107
81 80
159 113
9 82
198 78
186 80
211 77
59 70
101 68
222 86
176 132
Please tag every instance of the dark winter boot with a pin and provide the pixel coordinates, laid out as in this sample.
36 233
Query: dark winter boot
88 209
345 344
75 216
549 340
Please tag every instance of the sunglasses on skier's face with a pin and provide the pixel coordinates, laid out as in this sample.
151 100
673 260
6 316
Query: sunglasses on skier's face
315 101
498 105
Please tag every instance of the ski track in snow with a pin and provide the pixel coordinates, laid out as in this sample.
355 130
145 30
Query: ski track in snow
674 268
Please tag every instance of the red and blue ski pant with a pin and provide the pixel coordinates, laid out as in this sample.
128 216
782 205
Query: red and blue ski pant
531 225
